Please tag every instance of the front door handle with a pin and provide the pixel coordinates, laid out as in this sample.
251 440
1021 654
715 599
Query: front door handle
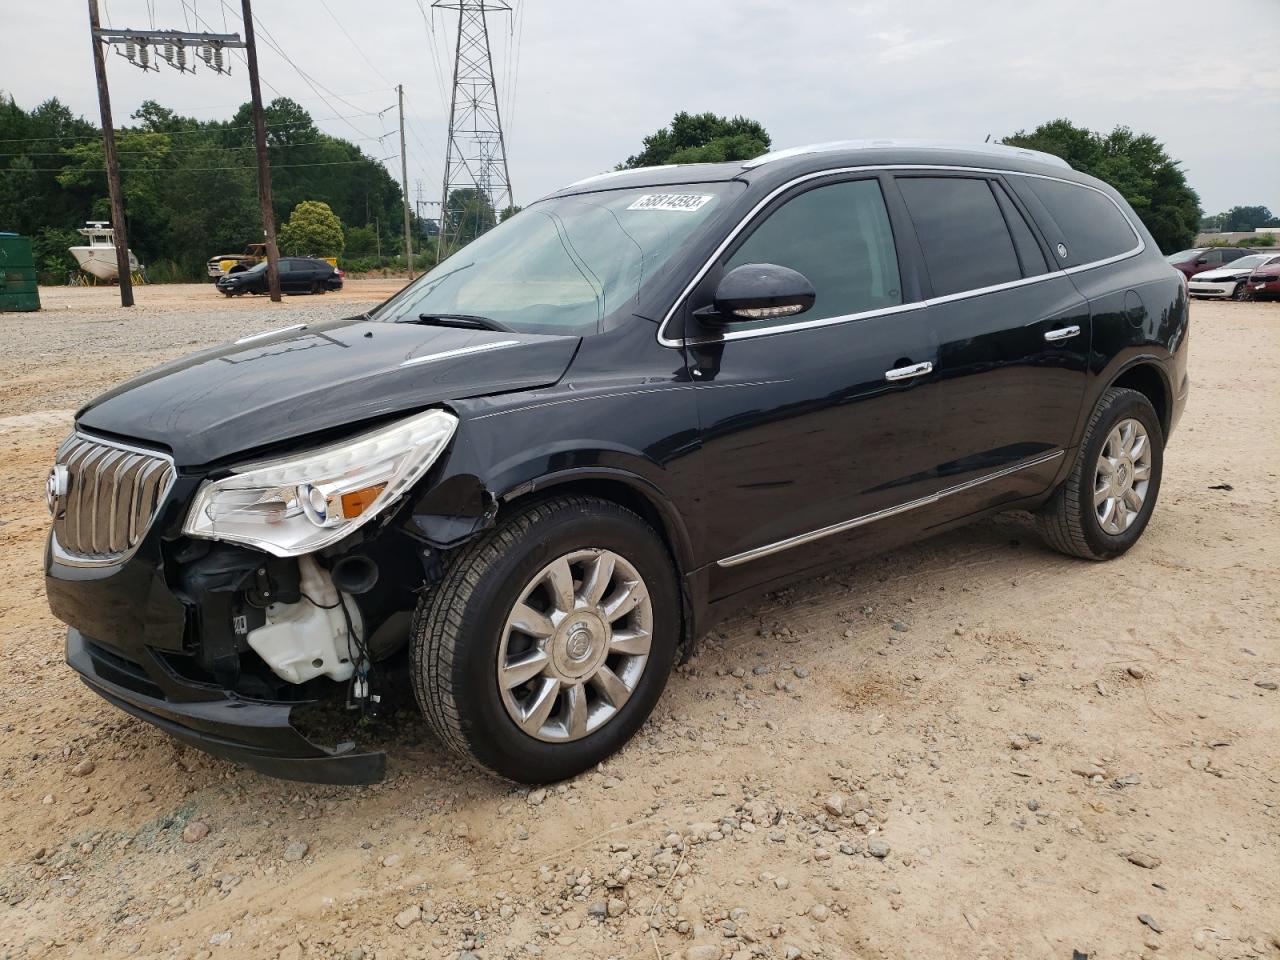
906 373
1062 333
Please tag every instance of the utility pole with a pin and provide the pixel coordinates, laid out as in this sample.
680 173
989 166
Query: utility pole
260 143
113 164
404 186
476 154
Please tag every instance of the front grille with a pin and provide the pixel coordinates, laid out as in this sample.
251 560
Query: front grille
113 493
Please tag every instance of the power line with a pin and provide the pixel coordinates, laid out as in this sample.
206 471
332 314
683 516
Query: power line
274 166
198 131
332 141
354 44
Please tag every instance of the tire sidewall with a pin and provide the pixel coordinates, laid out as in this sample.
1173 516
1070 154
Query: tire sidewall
492 735
1130 405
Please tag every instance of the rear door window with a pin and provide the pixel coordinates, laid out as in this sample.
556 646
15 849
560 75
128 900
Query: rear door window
1093 225
837 235
1029 253
962 233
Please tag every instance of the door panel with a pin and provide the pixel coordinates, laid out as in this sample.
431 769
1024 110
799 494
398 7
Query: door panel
801 429
1007 393
1012 355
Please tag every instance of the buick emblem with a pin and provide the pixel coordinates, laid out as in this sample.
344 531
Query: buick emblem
56 487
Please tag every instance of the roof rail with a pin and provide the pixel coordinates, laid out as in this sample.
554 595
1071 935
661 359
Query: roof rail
995 149
618 173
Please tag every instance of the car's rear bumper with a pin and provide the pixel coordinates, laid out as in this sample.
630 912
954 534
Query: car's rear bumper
256 733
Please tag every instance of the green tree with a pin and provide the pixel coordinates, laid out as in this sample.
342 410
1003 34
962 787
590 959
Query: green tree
470 215
1247 218
1136 165
701 138
313 230
508 212
190 185
360 242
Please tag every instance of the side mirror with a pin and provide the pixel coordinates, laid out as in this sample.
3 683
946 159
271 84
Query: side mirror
759 291
1202 260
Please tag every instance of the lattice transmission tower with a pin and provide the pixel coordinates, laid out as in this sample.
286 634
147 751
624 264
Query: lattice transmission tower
476 154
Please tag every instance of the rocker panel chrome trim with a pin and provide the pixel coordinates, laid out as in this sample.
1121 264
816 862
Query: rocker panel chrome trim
800 539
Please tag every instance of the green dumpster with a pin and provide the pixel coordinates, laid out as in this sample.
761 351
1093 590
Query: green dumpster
17 274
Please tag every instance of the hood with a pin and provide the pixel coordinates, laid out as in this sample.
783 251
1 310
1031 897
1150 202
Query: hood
1222 273
287 383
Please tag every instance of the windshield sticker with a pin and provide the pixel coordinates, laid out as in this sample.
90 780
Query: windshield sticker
683 202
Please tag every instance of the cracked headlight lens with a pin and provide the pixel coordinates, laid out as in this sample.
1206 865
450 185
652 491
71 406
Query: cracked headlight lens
299 504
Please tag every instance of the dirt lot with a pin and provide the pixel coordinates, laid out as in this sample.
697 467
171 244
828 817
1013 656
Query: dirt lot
970 748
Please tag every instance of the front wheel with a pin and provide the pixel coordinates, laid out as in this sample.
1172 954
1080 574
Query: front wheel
1239 293
1103 506
549 640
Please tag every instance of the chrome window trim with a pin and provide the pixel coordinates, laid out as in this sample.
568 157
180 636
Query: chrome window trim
162 496
742 224
845 525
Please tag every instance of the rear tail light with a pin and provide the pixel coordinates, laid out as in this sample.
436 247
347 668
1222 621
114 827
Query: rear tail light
339 273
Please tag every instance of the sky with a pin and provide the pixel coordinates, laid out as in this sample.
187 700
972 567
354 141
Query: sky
582 82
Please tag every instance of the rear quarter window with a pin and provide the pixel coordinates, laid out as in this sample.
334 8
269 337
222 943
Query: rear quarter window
1092 224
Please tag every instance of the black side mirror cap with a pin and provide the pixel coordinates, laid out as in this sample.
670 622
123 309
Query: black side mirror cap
759 291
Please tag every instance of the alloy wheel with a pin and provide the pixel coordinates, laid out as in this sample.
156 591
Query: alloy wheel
574 645
1122 476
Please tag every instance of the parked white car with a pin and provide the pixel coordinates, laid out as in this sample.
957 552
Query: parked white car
1229 280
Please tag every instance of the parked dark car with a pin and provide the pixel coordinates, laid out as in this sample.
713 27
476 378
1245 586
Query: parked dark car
530 479
1264 282
297 275
1200 259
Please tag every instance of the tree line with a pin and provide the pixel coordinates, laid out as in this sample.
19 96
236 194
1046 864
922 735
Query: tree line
190 186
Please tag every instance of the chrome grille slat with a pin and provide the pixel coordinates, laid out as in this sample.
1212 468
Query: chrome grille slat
115 493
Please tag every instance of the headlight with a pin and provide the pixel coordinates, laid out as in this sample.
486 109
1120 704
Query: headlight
299 504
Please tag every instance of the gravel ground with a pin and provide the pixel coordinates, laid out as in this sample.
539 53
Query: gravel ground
973 747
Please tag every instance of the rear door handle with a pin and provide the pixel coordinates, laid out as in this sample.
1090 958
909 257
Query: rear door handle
1062 333
906 373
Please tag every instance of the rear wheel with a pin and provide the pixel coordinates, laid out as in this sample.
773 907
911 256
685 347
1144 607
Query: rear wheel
549 640
1105 503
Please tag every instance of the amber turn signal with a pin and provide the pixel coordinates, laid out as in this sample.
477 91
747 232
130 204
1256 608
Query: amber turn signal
358 501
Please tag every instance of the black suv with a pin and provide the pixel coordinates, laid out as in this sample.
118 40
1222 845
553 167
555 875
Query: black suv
529 478
297 275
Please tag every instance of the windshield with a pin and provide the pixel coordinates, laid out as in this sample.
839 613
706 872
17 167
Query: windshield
257 268
562 265
1248 263
1183 255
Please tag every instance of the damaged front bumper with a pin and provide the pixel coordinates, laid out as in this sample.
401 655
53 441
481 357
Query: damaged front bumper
258 734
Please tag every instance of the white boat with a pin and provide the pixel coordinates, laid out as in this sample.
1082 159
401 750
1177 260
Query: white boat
99 257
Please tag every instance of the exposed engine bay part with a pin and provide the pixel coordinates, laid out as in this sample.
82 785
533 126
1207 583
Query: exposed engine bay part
310 638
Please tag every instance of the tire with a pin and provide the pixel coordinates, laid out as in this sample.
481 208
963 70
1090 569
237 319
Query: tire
1070 522
317 288
463 631
1239 292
